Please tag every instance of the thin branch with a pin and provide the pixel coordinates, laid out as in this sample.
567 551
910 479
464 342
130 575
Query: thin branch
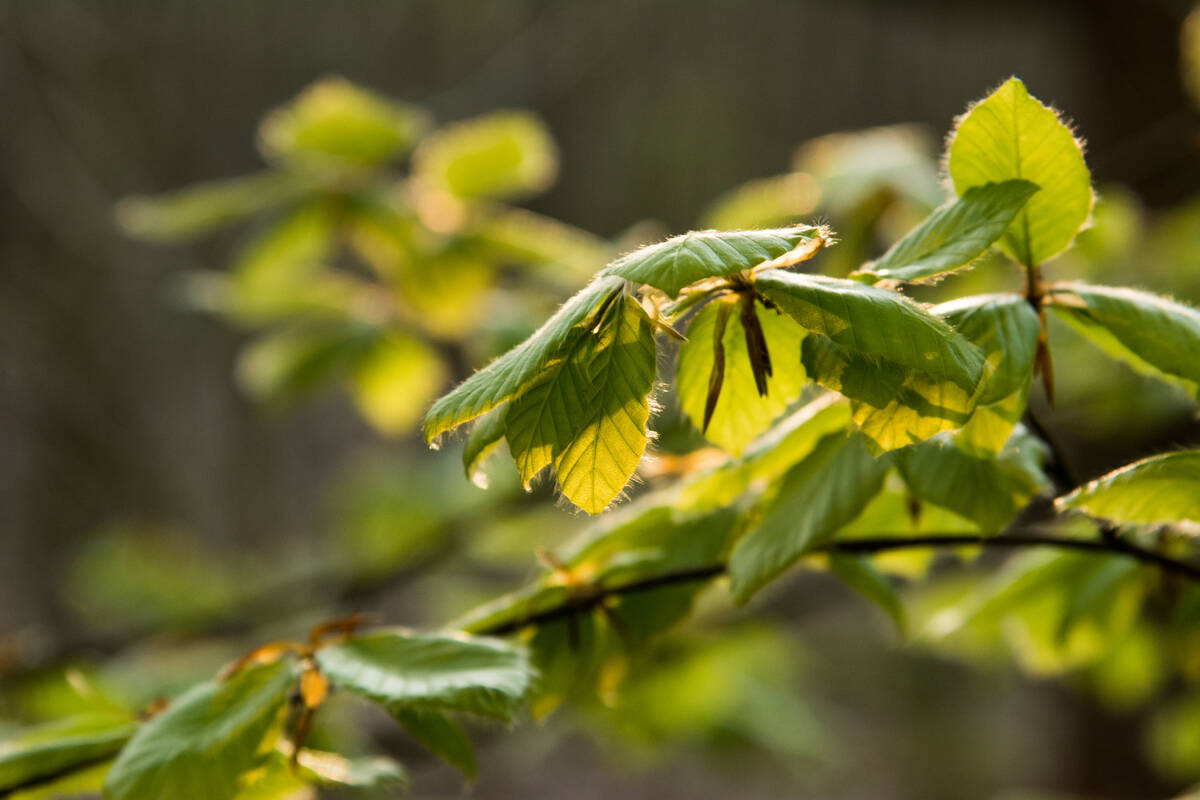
863 546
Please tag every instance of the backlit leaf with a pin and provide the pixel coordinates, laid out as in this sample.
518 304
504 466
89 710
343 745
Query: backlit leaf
740 414
486 435
953 235
394 380
685 259
1011 135
1159 489
499 155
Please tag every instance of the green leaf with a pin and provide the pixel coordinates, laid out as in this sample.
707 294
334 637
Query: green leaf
206 206
954 235
486 435
280 366
1157 490
334 123
1152 334
440 735
587 412
764 203
61 747
860 574
394 380
683 260
1011 135
816 498
772 454
519 367
199 748
741 413
499 155
399 669
875 323
1005 328
570 255
83 784
989 491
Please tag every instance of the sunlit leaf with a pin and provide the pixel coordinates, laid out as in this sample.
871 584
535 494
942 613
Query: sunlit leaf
741 413
400 670
61 747
954 235
394 381
486 435
284 364
499 155
683 260
1011 135
764 203
515 370
206 739
335 123
1151 333
1156 490
816 497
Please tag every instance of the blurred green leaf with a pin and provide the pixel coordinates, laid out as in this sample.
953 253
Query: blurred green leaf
816 497
61 747
1156 490
741 413
440 735
206 740
395 380
334 123
282 365
400 670
1011 135
682 260
499 155
860 574
1190 52
851 167
952 236
764 203
1152 334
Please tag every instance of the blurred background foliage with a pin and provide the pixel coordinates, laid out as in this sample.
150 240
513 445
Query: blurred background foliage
210 396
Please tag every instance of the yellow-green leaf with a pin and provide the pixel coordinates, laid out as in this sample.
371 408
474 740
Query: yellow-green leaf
499 155
1156 490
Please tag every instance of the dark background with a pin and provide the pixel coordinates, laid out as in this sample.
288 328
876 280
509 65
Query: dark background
114 404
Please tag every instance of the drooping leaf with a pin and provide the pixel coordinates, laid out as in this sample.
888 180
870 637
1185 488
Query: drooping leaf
614 375
683 260
1010 135
515 370
989 491
876 324
954 235
335 123
399 669
1156 490
498 155
860 574
199 748
768 457
440 735
485 436
61 747
740 413
816 497
207 206
1152 334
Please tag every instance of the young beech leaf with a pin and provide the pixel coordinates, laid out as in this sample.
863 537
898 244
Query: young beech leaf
1010 135
512 372
202 744
401 670
816 497
876 324
1156 490
613 375
953 235
485 436
740 413
60 747
1151 333
988 491
685 259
